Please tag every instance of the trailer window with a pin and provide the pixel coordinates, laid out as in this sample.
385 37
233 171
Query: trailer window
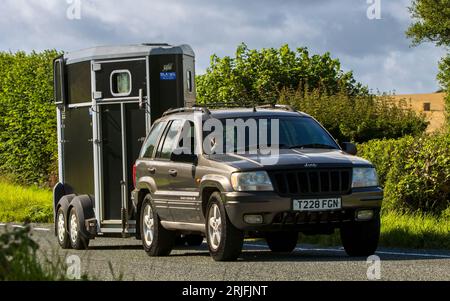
150 143
189 81
121 83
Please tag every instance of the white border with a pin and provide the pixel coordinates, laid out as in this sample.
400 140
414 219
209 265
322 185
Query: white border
111 83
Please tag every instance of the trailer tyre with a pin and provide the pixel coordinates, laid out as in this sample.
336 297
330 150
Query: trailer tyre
77 240
61 229
156 240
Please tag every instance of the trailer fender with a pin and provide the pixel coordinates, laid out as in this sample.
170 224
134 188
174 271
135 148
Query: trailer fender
84 206
63 203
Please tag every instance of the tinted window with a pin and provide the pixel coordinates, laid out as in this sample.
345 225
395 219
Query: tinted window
152 140
170 141
294 132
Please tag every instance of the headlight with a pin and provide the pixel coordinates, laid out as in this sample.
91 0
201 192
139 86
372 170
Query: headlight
364 177
251 181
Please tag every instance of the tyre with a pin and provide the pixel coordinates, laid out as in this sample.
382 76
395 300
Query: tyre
361 238
194 240
282 241
224 240
156 240
61 230
77 240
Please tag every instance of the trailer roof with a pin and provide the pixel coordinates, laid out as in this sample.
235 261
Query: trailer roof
125 51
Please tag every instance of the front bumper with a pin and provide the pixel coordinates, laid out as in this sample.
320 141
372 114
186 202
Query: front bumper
278 213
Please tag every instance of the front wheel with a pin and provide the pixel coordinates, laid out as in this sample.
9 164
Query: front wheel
282 241
361 238
224 239
156 240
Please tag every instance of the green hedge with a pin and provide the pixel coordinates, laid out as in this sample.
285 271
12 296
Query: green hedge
357 118
415 172
27 118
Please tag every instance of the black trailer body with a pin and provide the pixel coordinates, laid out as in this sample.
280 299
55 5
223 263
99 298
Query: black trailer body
107 98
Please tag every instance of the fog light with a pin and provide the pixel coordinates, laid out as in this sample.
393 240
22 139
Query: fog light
253 219
364 215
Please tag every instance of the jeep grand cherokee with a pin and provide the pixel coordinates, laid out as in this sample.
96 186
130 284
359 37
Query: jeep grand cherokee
310 185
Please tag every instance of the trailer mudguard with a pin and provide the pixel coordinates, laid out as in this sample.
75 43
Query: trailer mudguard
84 206
63 202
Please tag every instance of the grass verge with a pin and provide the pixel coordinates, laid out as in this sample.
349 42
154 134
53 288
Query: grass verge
406 230
25 204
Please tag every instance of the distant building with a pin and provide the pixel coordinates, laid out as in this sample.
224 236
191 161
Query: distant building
432 105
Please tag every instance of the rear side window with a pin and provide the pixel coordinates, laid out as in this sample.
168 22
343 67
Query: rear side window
170 141
152 140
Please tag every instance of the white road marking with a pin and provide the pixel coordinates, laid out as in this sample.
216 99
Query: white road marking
378 252
41 229
22 227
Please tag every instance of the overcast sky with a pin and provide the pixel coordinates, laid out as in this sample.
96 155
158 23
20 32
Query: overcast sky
375 49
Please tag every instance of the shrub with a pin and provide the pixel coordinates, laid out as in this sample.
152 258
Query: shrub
20 260
415 172
27 118
359 117
258 75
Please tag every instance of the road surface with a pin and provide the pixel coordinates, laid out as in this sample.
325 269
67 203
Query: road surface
256 263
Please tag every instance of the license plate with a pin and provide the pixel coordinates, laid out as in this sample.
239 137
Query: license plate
317 204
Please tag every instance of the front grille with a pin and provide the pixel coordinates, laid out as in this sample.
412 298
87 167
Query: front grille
312 182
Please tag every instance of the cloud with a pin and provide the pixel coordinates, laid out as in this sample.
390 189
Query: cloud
376 50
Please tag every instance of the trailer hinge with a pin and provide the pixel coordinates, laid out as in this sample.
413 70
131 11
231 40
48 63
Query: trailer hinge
96 67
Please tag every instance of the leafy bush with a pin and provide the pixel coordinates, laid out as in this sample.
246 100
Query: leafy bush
415 172
27 118
254 76
359 117
20 260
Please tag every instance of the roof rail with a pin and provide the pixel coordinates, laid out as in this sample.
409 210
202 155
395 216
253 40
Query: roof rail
219 105
186 109
277 106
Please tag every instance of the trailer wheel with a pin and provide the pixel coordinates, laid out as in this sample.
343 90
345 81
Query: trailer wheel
61 229
77 241
156 240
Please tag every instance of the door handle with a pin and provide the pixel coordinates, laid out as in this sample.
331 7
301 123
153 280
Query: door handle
151 169
173 172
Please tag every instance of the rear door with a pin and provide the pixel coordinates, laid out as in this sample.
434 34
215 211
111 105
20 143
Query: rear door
120 91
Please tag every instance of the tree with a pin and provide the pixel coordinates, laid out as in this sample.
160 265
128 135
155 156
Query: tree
431 23
256 76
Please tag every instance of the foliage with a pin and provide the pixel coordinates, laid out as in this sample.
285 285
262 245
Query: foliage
20 260
359 117
431 23
259 75
399 229
25 204
27 118
415 172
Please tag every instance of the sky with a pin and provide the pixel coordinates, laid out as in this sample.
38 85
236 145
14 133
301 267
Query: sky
366 37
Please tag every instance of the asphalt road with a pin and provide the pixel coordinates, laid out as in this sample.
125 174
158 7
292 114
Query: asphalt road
256 262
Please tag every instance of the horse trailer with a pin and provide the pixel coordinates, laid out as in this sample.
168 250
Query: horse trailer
106 100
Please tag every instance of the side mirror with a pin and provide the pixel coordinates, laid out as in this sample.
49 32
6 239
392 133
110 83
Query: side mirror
349 148
183 155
